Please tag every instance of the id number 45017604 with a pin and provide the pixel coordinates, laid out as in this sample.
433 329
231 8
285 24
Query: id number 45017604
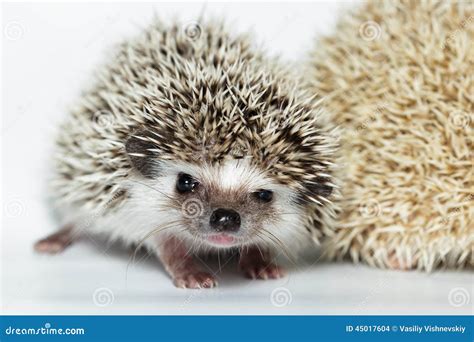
369 328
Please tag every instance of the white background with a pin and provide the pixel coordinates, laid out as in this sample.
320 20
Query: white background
49 52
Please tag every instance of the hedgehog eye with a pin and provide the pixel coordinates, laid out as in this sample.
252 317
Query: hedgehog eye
264 195
186 183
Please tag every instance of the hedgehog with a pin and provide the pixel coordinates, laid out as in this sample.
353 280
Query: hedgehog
397 76
193 142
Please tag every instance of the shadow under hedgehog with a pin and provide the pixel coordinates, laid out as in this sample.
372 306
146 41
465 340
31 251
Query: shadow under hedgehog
195 143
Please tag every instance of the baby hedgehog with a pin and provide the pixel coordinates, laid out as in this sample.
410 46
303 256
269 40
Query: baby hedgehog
190 142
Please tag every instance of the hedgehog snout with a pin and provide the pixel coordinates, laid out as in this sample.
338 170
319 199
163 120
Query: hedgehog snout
225 220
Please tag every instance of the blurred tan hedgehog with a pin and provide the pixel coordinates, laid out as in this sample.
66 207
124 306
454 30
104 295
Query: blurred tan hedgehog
398 77
192 141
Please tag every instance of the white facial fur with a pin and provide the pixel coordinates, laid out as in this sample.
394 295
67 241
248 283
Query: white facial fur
150 211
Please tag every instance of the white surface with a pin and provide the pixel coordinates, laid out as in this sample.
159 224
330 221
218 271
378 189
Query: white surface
57 49
66 284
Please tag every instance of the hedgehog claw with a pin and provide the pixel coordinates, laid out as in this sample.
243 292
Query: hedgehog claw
197 280
395 263
255 265
264 271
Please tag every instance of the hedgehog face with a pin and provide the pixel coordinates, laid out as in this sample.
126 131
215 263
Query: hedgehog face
231 204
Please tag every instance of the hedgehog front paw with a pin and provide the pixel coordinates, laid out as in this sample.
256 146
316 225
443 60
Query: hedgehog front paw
264 271
196 280
256 264
395 263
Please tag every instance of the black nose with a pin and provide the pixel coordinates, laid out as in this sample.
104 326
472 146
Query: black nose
225 220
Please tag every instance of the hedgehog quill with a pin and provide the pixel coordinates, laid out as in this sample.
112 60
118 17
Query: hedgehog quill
193 141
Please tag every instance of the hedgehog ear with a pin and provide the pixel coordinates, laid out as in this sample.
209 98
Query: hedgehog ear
141 154
315 190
